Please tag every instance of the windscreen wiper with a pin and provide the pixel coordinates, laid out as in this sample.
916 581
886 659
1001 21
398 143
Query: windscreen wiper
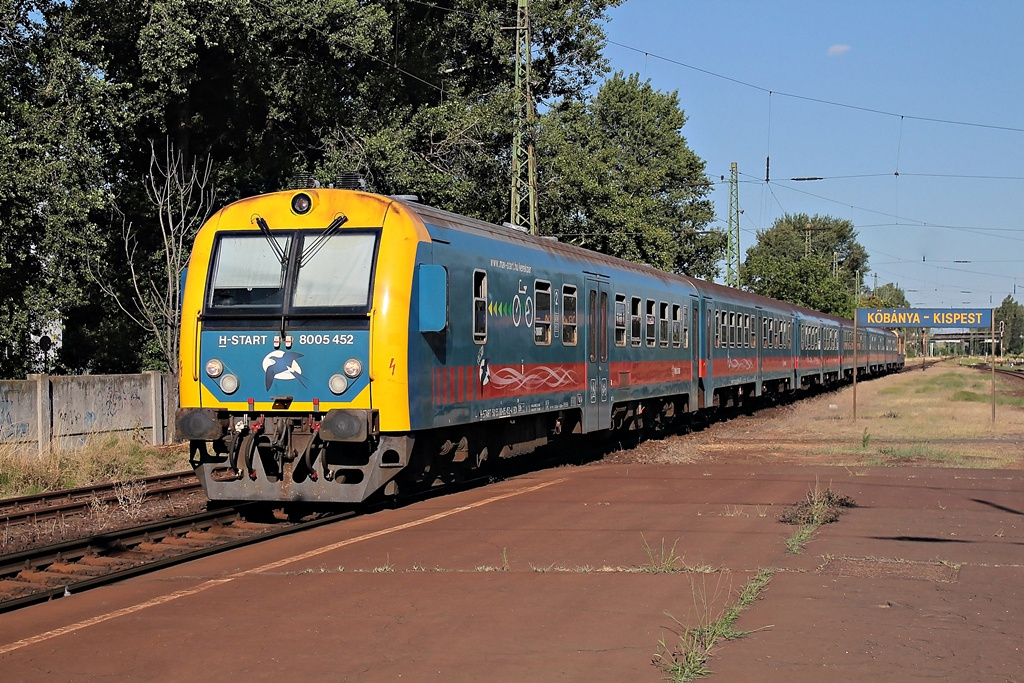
321 240
265 229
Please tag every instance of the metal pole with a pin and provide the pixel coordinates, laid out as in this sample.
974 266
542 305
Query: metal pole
855 365
993 366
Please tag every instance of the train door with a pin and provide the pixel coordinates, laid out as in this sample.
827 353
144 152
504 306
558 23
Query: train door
757 339
596 412
704 387
692 343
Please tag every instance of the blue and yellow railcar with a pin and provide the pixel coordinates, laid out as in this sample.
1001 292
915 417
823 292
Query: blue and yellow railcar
337 345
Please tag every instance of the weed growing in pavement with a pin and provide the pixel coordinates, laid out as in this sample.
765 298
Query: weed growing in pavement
504 564
386 568
795 543
688 658
663 562
819 506
666 561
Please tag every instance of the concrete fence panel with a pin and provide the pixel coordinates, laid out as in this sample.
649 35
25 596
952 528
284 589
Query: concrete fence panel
18 404
66 410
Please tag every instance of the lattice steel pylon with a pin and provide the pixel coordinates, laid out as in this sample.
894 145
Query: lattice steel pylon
732 257
524 167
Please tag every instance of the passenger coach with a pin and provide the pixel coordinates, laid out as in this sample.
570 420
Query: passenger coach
339 344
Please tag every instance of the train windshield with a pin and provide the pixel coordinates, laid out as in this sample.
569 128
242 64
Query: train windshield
335 271
247 273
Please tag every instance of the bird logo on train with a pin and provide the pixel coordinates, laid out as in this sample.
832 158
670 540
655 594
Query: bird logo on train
282 365
485 372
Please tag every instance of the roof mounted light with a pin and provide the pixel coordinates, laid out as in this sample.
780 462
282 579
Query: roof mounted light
302 203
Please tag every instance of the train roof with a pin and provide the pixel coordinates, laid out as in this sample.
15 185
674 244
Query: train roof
453 221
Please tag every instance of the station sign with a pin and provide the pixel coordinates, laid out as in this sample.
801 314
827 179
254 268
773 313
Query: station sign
924 317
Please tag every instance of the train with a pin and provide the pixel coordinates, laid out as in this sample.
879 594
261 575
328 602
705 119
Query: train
339 346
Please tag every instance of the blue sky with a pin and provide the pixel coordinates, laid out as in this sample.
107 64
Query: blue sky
932 90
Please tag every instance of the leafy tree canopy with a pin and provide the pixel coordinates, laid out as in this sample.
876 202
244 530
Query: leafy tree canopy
888 295
812 261
1011 314
616 176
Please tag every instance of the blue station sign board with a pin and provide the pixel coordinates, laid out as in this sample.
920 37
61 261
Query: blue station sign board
924 317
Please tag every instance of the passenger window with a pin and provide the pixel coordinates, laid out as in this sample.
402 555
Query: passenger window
745 328
592 325
686 327
732 329
569 315
650 323
663 324
604 327
635 325
479 306
753 331
620 319
718 329
542 315
677 326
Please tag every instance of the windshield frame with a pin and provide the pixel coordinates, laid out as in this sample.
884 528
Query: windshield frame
298 239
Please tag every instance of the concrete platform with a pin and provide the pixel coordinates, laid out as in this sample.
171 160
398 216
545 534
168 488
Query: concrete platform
550 577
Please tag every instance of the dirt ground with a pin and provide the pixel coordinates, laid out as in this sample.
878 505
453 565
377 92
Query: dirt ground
588 573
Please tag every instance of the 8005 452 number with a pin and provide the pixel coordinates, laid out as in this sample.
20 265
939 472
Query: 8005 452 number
325 339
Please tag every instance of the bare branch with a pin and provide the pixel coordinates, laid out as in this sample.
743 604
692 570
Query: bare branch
183 199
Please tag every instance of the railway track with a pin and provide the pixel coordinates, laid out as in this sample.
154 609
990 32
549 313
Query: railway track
44 506
42 574
46 573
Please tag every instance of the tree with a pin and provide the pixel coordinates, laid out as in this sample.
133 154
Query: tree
55 117
181 193
1011 315
414 96
795 260
616 176
888 295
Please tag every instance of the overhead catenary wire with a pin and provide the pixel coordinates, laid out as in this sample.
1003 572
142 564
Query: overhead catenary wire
831 103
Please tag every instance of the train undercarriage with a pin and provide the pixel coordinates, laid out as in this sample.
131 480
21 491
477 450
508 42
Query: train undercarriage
338 458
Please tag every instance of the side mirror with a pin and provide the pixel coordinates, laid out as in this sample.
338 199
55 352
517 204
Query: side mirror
433 298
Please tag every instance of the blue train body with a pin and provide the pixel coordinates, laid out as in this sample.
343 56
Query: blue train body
462 342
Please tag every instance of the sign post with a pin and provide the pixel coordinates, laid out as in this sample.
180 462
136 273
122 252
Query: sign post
993 367
924 318
855 367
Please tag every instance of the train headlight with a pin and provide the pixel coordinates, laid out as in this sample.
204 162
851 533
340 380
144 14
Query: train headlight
337 384
214 368
302 203
229 384
352 368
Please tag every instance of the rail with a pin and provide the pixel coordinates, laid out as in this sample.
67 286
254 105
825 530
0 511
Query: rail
43 506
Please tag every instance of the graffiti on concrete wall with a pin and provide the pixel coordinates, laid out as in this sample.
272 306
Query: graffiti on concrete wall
119 399
9 429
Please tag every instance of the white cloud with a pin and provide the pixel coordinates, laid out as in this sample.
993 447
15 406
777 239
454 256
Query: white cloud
837 50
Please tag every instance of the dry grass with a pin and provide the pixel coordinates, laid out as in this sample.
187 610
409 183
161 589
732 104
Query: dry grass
937 417
100 459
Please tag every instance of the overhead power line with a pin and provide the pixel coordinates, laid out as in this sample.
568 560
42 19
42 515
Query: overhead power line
817 100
